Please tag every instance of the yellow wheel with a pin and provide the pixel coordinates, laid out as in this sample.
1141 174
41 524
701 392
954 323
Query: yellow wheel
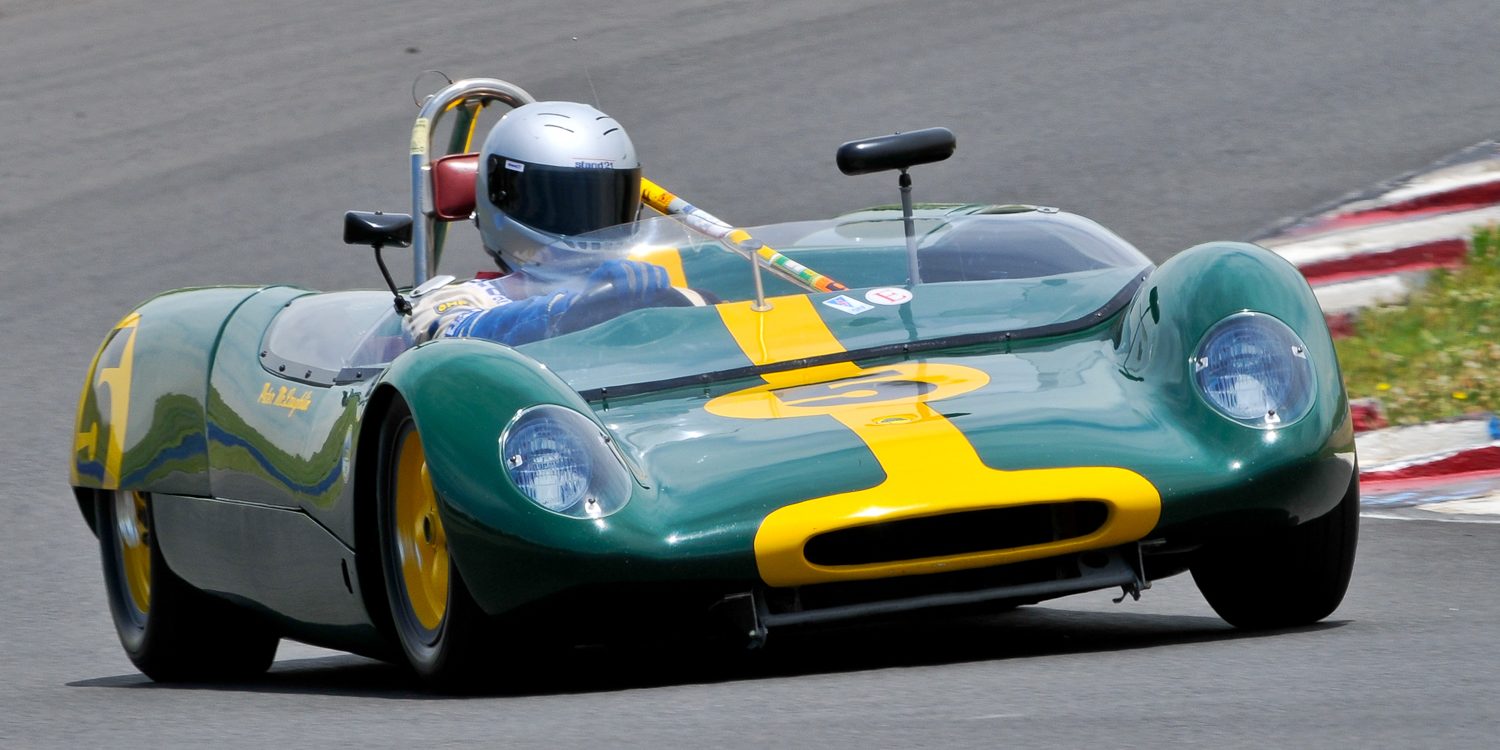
170 630
133 536
421 545
440 630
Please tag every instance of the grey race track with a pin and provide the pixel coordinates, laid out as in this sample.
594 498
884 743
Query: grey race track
152 144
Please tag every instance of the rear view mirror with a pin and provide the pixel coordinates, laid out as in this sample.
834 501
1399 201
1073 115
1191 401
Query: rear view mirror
900 151
377 229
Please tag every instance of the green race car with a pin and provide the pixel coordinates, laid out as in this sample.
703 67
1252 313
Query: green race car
956 406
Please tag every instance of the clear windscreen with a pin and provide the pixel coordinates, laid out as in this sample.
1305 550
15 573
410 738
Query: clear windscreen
857 251
979 272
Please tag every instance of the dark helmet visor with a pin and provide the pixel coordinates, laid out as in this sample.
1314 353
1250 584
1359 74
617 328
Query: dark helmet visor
563 200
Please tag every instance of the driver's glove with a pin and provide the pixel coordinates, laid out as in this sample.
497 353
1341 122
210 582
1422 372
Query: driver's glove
635 283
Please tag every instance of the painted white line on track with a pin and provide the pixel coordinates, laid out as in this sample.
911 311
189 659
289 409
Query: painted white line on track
1481 506
1424 514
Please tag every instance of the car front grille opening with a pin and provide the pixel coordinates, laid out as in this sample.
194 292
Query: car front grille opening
957 533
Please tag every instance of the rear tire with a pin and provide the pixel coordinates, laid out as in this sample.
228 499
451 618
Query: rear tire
171 631
442 632
1286 577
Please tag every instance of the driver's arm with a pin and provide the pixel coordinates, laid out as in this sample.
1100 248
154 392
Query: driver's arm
625 284
516 323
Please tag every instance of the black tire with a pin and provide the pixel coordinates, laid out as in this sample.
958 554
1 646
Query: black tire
1286 577
442 632
171 631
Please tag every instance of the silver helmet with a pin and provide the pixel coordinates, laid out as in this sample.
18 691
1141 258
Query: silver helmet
549 170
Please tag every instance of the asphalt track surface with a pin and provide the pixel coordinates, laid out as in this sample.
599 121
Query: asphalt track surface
153 144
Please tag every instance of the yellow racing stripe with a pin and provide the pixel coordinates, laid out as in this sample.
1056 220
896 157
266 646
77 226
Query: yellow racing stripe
931 467
791 329
669 258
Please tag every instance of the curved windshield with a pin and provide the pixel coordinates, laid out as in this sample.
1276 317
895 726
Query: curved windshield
867 249
834 288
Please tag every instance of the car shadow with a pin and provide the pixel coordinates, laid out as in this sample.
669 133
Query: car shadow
1027 632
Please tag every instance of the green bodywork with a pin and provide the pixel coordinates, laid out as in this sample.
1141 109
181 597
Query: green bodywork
1085 369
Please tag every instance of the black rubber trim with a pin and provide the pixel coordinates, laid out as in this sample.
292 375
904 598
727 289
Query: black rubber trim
357 374
1104 312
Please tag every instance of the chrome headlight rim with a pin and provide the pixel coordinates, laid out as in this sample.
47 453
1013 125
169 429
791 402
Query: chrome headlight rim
608 480
1302 377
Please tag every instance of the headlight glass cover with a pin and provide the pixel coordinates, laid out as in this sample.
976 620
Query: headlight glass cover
1254 369
563 462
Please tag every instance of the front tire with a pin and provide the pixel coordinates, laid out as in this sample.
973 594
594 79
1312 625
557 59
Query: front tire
171 631
440 628
1286 577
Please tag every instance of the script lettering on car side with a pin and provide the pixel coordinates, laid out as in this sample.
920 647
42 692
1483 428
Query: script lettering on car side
285 398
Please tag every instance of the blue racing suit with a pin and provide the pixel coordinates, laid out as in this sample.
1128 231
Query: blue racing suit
480 309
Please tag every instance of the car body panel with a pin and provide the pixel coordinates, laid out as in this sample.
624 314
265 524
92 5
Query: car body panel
140 418
275 437
748 434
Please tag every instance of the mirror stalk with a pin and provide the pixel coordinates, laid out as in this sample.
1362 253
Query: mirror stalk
907 218
403 306
900 151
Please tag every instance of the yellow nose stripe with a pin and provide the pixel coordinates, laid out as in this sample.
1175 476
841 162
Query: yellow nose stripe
931 467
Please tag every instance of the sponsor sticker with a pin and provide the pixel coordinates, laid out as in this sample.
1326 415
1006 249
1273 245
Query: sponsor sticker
515 166
593 164
888 295
847 304
449 304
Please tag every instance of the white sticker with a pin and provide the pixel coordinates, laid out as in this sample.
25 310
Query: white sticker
847 304
888 295
419 139
515 166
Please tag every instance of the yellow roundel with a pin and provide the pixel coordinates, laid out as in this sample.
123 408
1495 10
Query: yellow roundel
893 390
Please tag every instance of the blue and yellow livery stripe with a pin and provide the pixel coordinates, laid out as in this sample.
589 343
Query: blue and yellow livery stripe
931 467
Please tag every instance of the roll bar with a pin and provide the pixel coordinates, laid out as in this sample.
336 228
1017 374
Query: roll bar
469 95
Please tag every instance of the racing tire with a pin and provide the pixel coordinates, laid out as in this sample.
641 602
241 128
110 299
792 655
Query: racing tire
441 630
171 631
1286 577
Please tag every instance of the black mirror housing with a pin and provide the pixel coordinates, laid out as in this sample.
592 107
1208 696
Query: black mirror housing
900 151
377 229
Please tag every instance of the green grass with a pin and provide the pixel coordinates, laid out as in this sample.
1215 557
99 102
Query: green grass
1438 355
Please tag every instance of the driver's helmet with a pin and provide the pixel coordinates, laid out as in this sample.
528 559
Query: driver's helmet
551 170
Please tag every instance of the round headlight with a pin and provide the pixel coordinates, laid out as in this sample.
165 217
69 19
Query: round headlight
563 462
1254 370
